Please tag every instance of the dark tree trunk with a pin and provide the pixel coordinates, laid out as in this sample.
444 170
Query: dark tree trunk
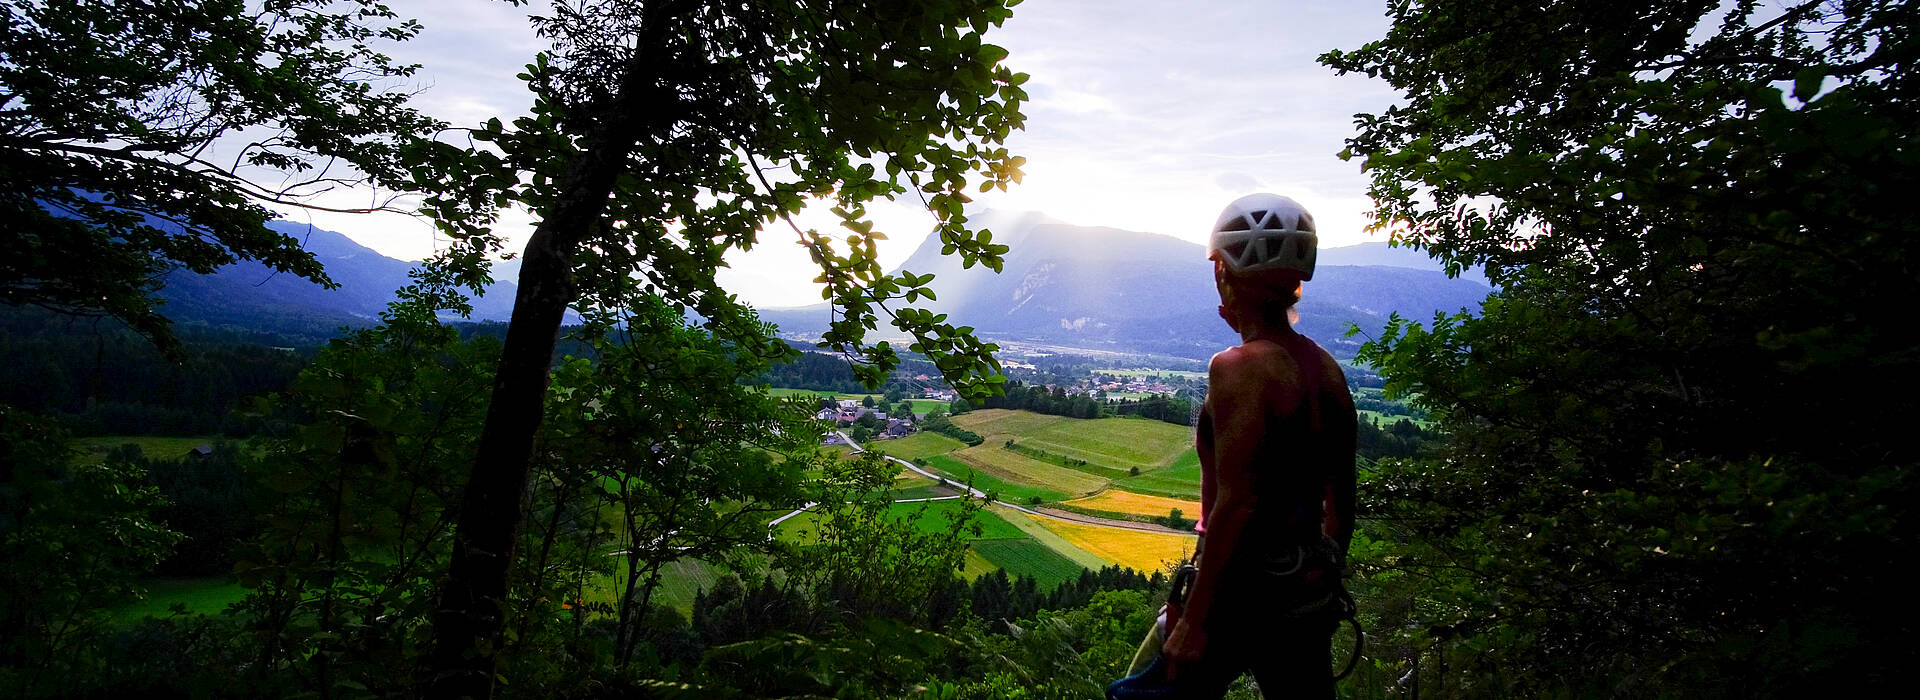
473 601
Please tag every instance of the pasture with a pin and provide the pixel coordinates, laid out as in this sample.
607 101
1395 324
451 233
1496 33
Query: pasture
919 445
1018 492
93 450
995 460
200 596
1180 480
1116 443
1025 556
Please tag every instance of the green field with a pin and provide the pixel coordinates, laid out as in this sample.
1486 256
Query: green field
681 580
1006 490
989 422
1013 467
932 490
916 446
94 449
1025 556
1180 480
1383 420
1117 443
939 513
1034 529
201 596
973 565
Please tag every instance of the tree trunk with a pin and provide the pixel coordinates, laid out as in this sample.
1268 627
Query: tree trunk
473 601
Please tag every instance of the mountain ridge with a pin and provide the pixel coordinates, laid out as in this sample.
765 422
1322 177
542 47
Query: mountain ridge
1103 288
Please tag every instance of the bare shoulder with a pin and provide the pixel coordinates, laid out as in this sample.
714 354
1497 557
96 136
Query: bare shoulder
1243 362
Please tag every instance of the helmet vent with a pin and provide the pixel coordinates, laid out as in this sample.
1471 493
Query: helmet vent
1239 223
1306 223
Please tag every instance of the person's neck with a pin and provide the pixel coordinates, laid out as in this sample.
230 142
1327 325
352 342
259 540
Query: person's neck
1252 330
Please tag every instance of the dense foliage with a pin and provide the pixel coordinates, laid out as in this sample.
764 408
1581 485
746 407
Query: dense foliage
1654 479
134 138
109 381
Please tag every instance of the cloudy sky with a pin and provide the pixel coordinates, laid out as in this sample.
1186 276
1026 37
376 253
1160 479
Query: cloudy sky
1145 115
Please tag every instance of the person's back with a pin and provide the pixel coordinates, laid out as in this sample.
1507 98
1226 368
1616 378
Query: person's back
1305 446
1276 440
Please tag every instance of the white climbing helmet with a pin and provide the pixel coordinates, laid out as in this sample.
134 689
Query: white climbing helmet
1265 232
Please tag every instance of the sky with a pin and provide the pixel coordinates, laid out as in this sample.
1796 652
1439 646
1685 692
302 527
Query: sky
1145 116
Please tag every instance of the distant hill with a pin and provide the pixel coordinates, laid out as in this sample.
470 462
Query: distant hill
1109 289
250 295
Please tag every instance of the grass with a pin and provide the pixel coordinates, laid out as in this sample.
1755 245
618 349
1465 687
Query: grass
1384 420
1009 466
1123 443
917 446
929 491
938 513
1031 525
1180 480
1006 490
681 580
1114 501
976 564
1143 551
989 422
93 450
201 596
1026 556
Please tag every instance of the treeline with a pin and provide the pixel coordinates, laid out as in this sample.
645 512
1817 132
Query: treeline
1172 409
939 423
1040 399
828 372
736 610
105 380
1401 438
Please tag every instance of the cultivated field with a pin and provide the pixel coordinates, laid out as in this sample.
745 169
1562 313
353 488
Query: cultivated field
1116 443
1018 492
999 421
1028 557
916 446
1181 480
93 450
1116 501
996 461
1144 551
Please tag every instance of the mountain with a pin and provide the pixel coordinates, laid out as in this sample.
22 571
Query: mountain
1102 288
250 294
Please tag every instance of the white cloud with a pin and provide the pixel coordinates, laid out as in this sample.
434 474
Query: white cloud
1146 115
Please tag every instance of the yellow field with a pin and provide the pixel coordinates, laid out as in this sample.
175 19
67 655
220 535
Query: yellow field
1117 501
1014 467
1143 551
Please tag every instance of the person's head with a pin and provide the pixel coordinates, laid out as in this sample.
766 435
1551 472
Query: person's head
1263 246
